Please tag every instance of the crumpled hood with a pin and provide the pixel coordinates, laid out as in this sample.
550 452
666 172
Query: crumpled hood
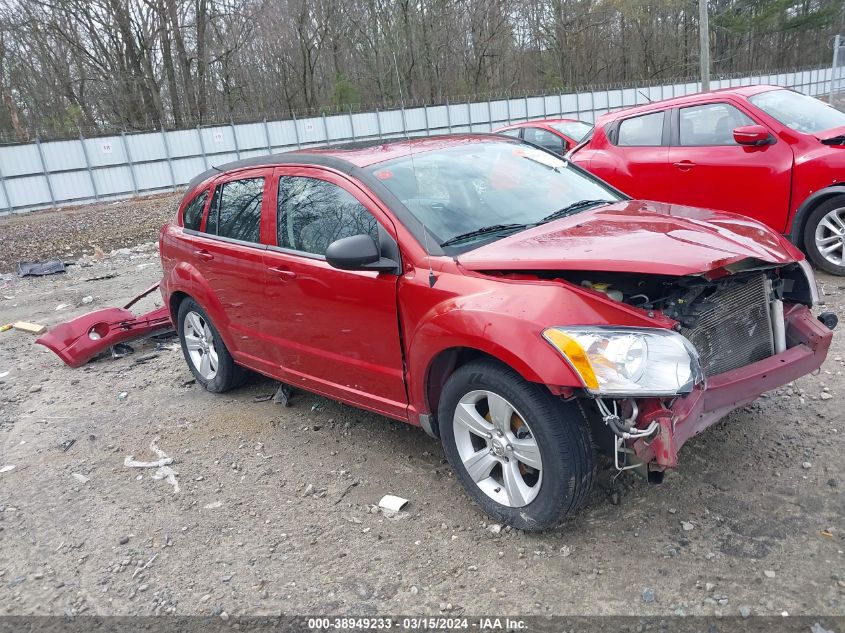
638 237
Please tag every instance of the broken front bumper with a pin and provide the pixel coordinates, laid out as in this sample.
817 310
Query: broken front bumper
79 340
807 344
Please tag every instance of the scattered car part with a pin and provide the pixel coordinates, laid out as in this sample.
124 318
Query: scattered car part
283 395
30 328
38 269
79 340
392 503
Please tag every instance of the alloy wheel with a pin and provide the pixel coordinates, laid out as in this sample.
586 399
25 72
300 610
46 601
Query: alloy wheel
497 448
830 236
199 340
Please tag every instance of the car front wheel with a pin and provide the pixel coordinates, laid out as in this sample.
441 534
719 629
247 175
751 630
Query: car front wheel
204 350
523 455
824 236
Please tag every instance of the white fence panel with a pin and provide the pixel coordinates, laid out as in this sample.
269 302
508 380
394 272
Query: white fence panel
38 175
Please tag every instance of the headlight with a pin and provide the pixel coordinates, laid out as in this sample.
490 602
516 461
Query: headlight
811 279
621 361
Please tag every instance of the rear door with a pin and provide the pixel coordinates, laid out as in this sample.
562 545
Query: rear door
332 331
641 144
712 171
227 253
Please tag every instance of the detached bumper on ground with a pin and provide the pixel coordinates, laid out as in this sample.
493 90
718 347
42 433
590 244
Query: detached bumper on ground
807 344
79 340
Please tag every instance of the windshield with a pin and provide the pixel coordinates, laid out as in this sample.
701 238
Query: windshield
491 187
576 130
799 112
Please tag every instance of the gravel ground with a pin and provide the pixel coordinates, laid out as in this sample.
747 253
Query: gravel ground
73 231
276 508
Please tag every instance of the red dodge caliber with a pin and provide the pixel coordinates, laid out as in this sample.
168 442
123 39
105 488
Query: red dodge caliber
509 303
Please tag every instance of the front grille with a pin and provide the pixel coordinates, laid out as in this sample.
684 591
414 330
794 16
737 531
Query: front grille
734 327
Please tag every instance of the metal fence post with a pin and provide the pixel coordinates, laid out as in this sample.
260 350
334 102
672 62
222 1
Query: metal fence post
352 124
425 116
234 140
202 147
267 137
378 123
489 114
296 130
526 107
129 163
46 172
508 102
88 167
169 161
5 191
577 107
448 116
469 117
325 129
833 67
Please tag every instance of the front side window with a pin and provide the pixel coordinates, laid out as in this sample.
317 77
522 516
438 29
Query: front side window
500 186
192 215
544 138
711 124
313 213
799 112
641 131
236 210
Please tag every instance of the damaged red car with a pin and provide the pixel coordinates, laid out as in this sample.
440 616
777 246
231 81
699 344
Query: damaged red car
512 305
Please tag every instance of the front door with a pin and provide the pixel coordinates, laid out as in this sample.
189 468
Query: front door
643 171
332 331
713 172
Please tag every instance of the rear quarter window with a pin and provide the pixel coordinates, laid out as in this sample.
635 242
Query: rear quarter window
192 215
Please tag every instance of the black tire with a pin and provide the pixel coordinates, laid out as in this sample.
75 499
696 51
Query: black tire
810 245
559 429
228 375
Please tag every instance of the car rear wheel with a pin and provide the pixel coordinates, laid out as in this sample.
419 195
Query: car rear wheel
524 456
206 354
824 236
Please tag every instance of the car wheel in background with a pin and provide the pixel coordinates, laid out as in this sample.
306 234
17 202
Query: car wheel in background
824 235
523 455
204 350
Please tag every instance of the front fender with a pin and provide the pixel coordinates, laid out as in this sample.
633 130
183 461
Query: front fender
796 230
505 319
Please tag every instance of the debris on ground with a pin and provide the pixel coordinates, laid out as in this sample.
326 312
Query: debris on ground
162 465
65 446
121 350
148 563
39 269
29 328
283 395
7 468
80 478
392 503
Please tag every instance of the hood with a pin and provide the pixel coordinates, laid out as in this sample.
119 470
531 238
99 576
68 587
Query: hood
833 136
638 237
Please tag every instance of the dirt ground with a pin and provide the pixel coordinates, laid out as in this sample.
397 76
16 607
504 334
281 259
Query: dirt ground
276 507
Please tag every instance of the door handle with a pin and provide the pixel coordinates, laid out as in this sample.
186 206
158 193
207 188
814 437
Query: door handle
204 254
283 273
684 165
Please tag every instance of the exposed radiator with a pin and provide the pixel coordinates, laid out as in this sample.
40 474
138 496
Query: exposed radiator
734 327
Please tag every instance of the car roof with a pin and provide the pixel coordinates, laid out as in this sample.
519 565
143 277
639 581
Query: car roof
547 122
346 157
741 91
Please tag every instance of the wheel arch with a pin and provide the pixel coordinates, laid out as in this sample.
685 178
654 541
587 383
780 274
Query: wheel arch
799 221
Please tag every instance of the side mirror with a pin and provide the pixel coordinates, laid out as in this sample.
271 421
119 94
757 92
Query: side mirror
358 252
752 135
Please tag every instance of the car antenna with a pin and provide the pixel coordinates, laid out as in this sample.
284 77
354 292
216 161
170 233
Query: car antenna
647 98
431 278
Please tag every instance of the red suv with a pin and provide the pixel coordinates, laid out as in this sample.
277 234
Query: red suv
771 154
490 292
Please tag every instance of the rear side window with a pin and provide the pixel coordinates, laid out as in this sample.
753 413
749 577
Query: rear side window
314 213
192 215
711 124
641 131
514 133
236 210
